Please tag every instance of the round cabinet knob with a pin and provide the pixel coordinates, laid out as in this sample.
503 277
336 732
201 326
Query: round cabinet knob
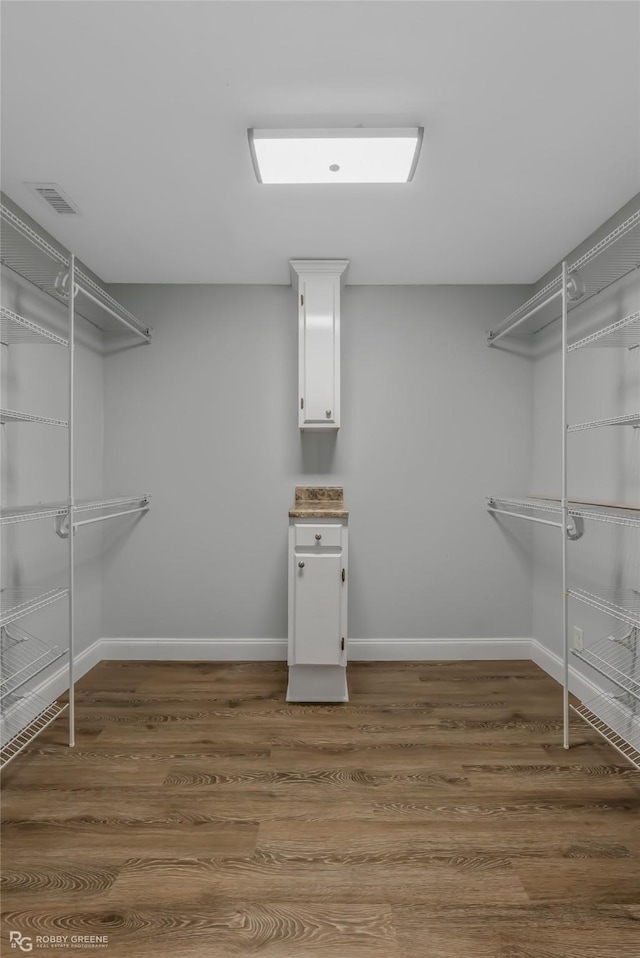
301 565
328 413
318 536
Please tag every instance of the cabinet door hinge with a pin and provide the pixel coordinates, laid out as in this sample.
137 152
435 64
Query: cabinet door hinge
342 644
344 574
301 403
301 299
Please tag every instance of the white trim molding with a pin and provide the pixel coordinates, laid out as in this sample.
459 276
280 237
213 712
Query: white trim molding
553 665
360 650
57 683
194 650
407 650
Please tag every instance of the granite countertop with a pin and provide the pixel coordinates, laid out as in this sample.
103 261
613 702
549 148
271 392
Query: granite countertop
319 502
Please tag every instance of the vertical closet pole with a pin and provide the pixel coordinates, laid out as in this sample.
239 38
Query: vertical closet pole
71 500
565 517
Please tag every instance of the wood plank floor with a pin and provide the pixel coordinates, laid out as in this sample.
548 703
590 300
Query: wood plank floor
434 816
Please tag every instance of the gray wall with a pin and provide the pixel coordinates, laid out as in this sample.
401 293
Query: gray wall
603 464
34 463
205 419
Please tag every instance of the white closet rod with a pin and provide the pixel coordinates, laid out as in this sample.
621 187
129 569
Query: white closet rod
85 292
62 522
530 312
520 515
112 515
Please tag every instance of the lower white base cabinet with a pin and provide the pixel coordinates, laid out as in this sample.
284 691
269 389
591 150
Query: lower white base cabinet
317 654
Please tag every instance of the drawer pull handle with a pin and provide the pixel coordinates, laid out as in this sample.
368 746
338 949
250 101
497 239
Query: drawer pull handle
328 413
318 536
301 565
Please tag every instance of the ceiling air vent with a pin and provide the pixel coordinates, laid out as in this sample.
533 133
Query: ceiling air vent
54 197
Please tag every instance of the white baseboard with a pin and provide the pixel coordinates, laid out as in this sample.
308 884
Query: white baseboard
553 665
194 650
406 650
58 681
360 650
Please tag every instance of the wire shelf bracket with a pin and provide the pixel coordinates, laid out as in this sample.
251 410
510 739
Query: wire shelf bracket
632 419
16 603
624 333
617 658
22 658
18 742
27 513
13 415
603 264
599 512
627 749
27 253
621 604
15 329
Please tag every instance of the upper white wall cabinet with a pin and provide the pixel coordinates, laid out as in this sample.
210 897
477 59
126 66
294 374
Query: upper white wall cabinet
319 282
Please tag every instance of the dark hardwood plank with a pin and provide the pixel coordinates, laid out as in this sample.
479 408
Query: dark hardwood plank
582 880
516 931
436 815
315 876
220 930
112 844
471 841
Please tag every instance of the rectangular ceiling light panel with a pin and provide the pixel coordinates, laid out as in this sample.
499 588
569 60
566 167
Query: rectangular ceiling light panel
335 156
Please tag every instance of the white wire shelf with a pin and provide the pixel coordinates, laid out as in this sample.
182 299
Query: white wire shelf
18 602
622 604
22 658
13 415
51 510
15 329
41 510
603 264
27 253
617 658
618 515
17 736
625 333
540 505
87 505
600 512
617 724
633 419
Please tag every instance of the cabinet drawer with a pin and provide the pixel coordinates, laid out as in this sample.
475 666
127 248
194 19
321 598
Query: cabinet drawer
318 535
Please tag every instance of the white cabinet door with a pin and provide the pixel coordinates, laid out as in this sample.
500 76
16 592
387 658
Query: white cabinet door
319 283
319 352
317 609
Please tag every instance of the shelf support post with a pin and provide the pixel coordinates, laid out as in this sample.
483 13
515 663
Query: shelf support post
71 500
565 516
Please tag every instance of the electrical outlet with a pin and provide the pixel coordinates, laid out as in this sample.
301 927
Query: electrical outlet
578 638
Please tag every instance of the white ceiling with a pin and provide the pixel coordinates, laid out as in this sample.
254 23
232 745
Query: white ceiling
139 111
